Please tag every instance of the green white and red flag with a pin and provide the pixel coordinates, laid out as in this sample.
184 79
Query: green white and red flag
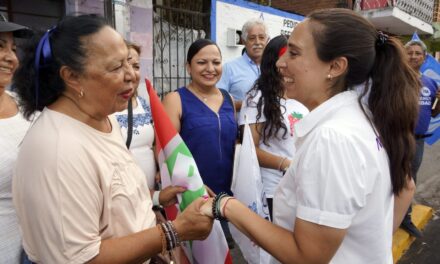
178 167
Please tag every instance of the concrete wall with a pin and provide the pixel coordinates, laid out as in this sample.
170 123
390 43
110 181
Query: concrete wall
133 20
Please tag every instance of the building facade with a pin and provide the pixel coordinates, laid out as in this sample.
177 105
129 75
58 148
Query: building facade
397 17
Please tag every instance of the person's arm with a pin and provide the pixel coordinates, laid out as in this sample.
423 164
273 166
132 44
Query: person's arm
266 159
173 107
436 109
237 105
402 202
310 243
324 191
191 224
168 195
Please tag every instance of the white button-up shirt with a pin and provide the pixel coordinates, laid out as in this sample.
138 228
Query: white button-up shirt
340 178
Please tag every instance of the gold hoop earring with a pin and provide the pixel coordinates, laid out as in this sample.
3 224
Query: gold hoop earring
329 77
81 94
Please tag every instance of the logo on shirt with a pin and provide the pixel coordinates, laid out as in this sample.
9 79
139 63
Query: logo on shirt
425 96
293 118
426 91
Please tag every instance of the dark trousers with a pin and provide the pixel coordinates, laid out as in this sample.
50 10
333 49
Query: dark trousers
415 165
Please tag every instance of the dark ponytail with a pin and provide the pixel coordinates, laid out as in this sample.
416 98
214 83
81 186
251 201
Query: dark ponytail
66 47
393 101
393 96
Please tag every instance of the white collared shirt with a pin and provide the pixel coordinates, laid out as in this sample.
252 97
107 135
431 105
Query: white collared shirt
340 179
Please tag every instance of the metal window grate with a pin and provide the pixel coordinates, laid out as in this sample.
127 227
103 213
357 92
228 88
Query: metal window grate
174 29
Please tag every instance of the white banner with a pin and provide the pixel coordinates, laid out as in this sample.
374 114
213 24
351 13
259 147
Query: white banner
248 189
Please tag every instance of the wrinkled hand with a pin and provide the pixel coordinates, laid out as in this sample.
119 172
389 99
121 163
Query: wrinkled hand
191 224
168 196
206 208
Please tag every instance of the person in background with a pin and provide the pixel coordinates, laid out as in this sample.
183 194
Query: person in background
240 74
13 127
272 115
336 201
142 143
416 51
80 196
205 118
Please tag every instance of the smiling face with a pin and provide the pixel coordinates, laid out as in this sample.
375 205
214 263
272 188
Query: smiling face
255 42
205 67
303 72
416 56
8 59
108 78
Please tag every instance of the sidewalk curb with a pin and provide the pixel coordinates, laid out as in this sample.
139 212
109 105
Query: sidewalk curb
402 240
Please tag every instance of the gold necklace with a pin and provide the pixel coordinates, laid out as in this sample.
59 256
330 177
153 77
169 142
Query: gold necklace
200 94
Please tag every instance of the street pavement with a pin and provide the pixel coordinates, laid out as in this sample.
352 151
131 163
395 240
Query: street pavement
426 250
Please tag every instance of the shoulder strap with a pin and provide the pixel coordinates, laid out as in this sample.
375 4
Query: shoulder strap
227 97
130 123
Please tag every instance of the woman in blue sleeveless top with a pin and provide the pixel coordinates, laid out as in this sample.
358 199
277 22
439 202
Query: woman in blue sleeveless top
204 116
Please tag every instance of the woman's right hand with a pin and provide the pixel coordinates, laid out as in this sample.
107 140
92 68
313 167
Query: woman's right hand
192 224
206 208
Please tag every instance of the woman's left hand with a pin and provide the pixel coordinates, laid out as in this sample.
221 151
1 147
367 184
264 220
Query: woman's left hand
168 195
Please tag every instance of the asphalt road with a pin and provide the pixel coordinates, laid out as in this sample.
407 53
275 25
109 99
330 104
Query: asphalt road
426 250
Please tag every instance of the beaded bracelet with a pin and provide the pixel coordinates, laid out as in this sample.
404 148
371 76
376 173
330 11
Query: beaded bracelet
176 235
171 235
163 239
169 239
216 213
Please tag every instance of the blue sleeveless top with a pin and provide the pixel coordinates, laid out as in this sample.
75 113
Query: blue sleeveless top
210 137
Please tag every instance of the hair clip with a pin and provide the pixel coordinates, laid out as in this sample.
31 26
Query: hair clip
382 38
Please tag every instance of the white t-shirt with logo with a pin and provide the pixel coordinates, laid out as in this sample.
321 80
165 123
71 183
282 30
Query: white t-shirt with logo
292 112
341 180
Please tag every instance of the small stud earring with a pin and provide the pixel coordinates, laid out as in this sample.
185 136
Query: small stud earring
329 77
81 94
